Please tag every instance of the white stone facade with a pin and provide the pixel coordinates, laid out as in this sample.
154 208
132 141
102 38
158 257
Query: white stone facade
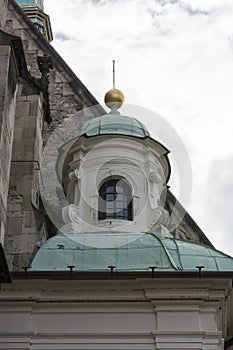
109 314
141 163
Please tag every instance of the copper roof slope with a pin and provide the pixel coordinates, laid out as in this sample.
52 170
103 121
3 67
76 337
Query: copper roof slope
126 252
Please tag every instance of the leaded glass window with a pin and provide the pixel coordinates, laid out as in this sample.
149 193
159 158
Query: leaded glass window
115 200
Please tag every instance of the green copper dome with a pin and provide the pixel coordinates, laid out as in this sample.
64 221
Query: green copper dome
114 124
127 252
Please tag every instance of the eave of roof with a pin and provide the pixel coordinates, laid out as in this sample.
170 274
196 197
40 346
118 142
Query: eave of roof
140 251
119 275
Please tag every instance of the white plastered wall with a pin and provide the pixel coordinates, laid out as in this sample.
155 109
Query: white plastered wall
106 314
140 162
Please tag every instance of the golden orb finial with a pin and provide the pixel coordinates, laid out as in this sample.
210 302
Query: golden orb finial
114 98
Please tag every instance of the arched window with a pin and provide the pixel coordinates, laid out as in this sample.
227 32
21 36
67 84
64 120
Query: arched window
115 200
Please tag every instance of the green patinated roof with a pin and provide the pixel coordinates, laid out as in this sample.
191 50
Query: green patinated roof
116 124
127 252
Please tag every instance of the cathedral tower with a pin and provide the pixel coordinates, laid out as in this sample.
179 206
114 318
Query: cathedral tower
34 9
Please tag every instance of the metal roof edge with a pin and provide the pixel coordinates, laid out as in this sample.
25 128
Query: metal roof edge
119 275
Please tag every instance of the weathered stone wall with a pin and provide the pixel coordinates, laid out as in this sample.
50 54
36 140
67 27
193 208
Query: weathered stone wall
67 94
3 7
8 87
25 224
24 217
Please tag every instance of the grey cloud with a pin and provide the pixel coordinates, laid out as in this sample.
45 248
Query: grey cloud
165 2
98 2
194 12
62 36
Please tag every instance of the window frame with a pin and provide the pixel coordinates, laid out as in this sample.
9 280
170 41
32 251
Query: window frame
120 203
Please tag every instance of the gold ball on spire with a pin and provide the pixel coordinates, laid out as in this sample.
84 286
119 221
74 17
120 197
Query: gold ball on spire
114 98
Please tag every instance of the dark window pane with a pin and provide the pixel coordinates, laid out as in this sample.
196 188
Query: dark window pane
109 189
115 200
109 197
110 205
120 197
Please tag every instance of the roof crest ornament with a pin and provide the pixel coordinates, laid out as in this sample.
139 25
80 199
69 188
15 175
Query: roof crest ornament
114 98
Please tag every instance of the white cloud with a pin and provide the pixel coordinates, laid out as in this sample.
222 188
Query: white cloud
172 56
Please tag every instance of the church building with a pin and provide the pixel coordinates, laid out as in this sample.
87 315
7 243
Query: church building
96 251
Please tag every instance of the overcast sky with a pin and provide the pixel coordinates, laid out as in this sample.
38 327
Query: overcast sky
175 58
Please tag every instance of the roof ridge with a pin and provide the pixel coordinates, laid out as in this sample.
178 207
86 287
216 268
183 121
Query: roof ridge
75 81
